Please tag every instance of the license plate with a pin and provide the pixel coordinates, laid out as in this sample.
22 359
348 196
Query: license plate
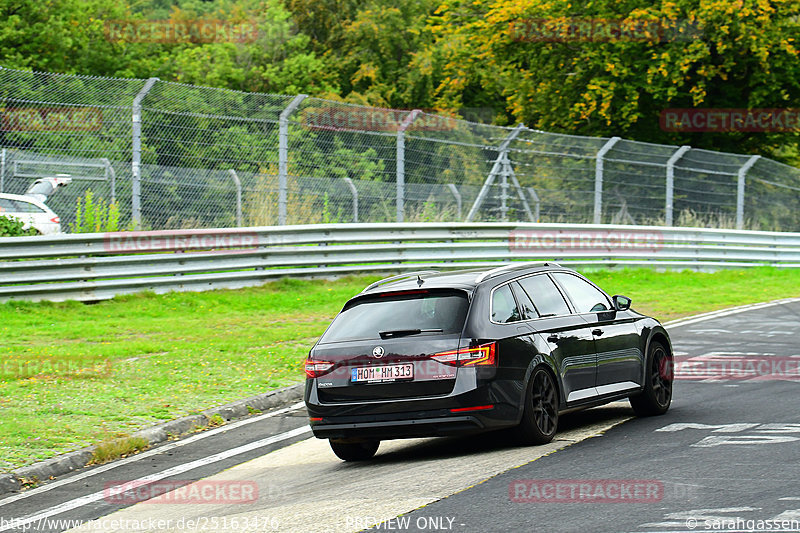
382 374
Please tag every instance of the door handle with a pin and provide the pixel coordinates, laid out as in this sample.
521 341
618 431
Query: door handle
553 338
597 332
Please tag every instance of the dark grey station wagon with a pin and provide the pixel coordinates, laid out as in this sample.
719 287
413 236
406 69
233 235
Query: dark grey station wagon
432 354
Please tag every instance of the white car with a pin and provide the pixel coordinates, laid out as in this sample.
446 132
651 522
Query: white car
32 213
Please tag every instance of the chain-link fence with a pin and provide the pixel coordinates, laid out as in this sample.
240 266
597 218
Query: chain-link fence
182 156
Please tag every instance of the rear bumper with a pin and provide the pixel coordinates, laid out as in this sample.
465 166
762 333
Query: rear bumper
411 418
399 429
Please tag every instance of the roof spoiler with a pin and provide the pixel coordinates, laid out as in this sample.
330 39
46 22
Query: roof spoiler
418 273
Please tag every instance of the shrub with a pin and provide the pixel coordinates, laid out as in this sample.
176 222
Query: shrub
12 227
94 215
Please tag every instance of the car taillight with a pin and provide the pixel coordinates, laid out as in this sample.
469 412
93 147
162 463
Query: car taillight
481 356
55 220
315 369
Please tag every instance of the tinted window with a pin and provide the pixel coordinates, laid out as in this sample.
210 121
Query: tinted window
504 308
7 205
528 309
545 295
586 297
364 319
25 207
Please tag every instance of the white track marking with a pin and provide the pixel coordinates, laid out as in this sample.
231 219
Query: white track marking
148 453
726 312
174 471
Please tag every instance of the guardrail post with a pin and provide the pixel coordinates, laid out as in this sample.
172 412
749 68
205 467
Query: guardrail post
283 156
671 182
496 168
136 153
457 195
598 178
113 175
238 184
400 167
3 170
536 203
354 192
740 190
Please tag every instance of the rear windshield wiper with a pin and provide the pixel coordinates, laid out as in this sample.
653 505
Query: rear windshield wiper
405 332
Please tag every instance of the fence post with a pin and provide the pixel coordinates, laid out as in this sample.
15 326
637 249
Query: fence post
3 170
457 196
671 181
136 155
113 173
537 204
283 156
400 167
496 168
354 192
238 184
598 178
740 190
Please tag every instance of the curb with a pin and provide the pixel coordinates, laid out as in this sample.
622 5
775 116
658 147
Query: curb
68 462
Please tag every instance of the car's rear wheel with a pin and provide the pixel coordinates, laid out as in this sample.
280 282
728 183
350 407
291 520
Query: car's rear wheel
657 393
540 416
348 450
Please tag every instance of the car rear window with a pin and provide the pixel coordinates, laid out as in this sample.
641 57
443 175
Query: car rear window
431 312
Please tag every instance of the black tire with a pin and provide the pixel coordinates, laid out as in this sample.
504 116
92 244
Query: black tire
657 394
540 416
354 450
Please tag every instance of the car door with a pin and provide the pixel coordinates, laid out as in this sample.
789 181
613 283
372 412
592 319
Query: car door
619 359
514 337
567 335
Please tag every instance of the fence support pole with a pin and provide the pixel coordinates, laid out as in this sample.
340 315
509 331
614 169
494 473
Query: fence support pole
598 178
400 167
354 192
457 195
740 190
537 204
3 170
111 173
238 184
671 182
283 156
136 155
496 168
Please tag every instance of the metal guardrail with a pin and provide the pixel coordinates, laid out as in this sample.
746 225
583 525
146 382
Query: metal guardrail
98 266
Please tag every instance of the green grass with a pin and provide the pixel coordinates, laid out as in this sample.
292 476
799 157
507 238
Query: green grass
73 375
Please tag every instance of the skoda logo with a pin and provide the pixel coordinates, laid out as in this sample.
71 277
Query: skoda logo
378 351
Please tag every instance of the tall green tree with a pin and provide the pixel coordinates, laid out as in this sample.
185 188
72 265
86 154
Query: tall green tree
707 53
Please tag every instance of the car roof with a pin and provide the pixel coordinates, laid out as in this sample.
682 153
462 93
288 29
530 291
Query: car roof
456 279
23 198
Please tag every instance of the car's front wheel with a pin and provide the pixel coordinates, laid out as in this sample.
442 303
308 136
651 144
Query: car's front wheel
361 450
657 393
540 416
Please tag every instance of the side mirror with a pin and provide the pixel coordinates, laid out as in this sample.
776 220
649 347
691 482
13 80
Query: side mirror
621 303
